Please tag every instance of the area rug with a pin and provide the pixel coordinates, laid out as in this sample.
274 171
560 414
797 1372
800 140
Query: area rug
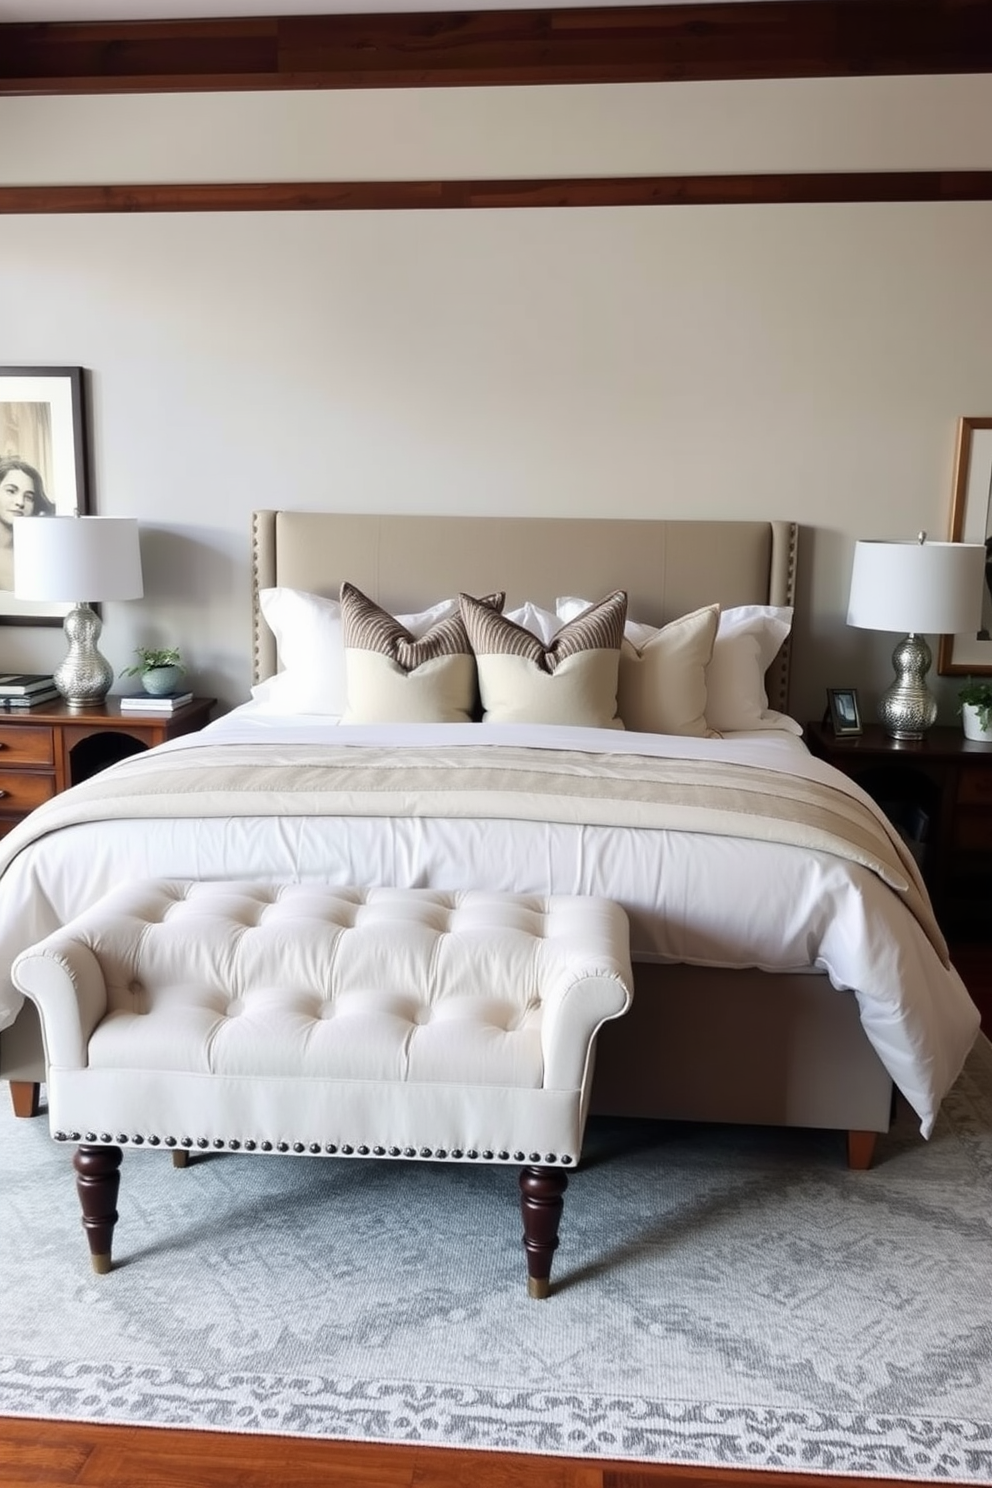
724 1296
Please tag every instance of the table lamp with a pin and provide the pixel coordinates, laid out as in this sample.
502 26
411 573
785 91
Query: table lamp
61 558
933 587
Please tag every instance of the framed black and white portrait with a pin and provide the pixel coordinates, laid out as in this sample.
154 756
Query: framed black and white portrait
43 467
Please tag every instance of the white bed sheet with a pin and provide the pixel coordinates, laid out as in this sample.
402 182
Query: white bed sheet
716 901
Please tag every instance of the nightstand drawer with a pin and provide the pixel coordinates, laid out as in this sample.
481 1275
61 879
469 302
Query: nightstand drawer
22 790
25 745
973 832
975 786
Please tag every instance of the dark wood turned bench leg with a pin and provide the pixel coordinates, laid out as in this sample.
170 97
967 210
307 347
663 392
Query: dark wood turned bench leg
542 1198
98 1179
25 1097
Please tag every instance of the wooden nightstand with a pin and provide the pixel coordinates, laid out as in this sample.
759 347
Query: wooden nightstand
45 750
939 791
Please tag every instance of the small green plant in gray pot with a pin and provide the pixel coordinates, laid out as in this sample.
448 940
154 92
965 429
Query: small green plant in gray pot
976 709
160 670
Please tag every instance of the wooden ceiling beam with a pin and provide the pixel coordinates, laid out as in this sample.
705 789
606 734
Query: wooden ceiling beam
653 43
615 191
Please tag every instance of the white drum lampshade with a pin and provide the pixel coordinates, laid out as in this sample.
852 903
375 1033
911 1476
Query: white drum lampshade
918 587
78 560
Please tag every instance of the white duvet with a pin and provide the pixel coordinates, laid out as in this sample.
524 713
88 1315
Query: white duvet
690 897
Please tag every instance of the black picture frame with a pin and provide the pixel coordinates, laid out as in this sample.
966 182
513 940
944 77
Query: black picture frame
844 711
43 427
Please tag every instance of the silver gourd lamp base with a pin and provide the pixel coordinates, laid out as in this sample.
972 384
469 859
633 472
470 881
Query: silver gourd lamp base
908 709
83 677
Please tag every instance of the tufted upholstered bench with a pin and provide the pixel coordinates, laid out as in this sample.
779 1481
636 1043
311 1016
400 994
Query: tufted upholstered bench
337 1022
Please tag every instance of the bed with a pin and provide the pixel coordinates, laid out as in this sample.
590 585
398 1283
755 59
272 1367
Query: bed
778 980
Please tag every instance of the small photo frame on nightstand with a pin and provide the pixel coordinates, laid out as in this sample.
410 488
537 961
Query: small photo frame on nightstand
843 711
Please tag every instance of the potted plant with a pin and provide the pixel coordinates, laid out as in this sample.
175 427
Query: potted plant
976 709
159 670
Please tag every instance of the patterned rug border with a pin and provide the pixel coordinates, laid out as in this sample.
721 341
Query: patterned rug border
544 1423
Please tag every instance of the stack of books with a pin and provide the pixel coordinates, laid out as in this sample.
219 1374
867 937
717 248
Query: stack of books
144 702
20 690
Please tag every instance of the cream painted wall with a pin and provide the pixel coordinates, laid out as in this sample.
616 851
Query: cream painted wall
807 362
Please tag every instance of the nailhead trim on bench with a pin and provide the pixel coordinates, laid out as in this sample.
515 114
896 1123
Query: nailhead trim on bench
235 1144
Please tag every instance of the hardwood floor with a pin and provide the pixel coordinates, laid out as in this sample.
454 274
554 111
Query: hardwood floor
58 1453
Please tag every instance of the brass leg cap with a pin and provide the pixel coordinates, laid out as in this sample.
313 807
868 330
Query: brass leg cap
539 1287
101 1263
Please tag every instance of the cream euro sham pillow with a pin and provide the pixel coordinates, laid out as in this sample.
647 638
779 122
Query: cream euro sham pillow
662 687
394 677
570 680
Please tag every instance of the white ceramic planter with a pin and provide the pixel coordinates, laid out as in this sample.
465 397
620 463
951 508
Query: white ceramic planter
972 728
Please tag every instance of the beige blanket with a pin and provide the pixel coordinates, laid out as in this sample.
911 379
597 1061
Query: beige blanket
513 782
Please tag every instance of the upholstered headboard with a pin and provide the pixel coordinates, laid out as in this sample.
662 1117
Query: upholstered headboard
408 562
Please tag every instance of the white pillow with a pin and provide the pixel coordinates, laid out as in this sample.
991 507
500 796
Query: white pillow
310 648
748 639
541 623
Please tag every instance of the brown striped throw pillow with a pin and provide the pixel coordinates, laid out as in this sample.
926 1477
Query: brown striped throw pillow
394 678
571 681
